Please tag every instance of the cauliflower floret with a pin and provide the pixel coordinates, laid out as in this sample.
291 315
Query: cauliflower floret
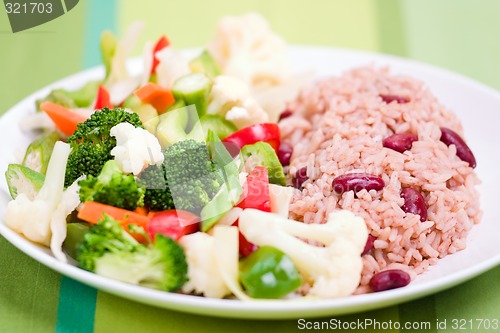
69 201
250 113
203 272
333 270
135 147
172 65
230 97
246 47
37 219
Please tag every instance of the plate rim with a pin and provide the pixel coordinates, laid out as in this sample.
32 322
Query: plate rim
276 309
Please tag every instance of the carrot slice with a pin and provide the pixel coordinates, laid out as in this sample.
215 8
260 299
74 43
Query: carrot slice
64 119
159 97
92 212
141 211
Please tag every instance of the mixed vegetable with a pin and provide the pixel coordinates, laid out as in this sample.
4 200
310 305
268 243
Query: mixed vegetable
174 180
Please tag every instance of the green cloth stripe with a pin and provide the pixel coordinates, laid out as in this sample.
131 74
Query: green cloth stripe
101 15
76 307
28 301
391 27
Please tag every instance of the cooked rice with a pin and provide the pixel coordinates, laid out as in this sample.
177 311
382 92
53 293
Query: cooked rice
338 126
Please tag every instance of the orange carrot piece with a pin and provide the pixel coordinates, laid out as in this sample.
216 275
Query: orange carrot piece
159 97
64 119
92 212
141 211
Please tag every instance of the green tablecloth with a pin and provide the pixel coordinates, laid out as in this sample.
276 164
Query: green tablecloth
460 35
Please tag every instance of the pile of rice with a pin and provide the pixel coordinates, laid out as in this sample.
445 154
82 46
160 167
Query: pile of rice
337 127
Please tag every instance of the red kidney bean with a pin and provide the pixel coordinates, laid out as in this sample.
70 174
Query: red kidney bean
300 177
369 244
285 114
284 153
400 142
414 203
391 98
390 279
357 182
449 137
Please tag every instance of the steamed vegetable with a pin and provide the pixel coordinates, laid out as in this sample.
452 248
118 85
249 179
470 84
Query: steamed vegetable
333 270
246 47
112 187
205 63
92 212
64 119
255 196
38 153
135 148
159 97
204 276
268 132
193 89
262 154
172 223
21 179
49 205
108 48
173 126
79 98
232 99
184 181
74 237
109 251
217 124
92 142
230 191
102 100
269 273
162 43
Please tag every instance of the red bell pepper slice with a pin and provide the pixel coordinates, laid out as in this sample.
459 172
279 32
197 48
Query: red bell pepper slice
172 223
256 190
256 195
246 248
162 43
103 99
267 132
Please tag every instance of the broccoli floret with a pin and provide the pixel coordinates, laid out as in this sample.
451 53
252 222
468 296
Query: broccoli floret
92 144
112 187
157 196
186 180
109 251
107 236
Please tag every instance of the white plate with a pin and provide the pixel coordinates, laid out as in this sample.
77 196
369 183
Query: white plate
476 105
